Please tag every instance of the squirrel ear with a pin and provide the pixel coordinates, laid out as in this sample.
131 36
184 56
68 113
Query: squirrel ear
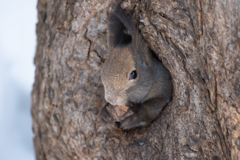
145 53
120 28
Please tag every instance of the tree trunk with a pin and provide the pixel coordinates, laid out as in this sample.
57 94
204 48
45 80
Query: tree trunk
198 42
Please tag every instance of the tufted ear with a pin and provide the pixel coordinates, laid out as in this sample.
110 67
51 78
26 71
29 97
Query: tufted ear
119 32
146 55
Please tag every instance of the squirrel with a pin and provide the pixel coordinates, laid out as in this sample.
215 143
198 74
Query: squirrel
132 74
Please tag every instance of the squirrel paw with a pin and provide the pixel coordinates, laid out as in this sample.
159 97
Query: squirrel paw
105 115
107 119
132 121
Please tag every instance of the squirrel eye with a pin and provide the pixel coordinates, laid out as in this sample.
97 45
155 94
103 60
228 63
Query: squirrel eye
133 75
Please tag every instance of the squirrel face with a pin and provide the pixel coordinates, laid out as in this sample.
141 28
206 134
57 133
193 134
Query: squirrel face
125 75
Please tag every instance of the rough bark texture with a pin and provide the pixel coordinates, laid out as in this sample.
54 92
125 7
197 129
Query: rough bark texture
197 40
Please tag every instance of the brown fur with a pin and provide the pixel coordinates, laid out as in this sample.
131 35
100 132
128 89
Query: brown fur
152 88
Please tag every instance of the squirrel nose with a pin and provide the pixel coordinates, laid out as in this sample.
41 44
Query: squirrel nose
110 98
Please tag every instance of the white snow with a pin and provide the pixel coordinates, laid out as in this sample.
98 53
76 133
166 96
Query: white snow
17 49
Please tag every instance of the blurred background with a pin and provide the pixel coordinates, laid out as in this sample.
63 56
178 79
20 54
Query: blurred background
17 49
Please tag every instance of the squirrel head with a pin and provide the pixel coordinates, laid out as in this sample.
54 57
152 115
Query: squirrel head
126 72
125 76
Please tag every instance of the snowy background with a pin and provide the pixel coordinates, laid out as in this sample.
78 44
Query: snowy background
17 48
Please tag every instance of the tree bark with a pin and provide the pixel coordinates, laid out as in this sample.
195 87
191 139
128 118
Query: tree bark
198 42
